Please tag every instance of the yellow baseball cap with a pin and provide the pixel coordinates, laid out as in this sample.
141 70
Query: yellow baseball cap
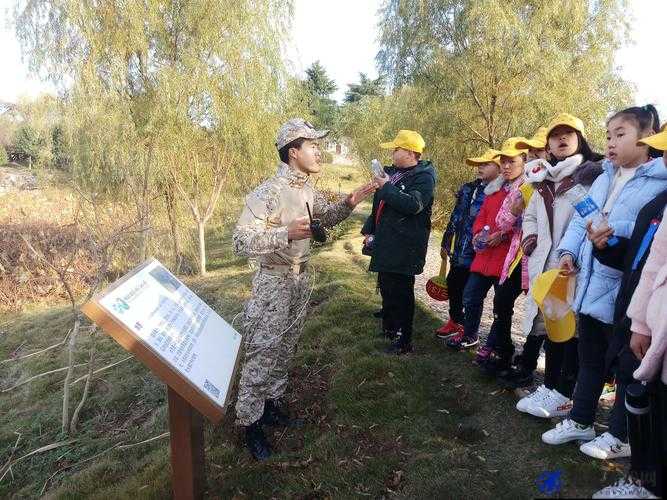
553 293
490 156
657 141
565 119
406 139
510 147
538 141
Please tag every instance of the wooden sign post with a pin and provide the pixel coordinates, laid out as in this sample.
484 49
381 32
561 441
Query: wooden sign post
186 434
186 344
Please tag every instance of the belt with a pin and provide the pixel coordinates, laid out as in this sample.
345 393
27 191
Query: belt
284 268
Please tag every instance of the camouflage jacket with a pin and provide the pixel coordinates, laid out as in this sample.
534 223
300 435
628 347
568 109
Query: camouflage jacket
261 231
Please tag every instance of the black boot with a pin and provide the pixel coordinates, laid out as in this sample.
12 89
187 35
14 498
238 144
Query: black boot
256 441
275 417
388 334
515 378
494 366
399 346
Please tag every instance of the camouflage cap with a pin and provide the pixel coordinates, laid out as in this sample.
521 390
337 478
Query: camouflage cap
297 128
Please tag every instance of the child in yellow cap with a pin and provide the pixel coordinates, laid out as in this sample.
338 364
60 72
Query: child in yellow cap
457 239
630 179
536 145
544 221
493 243
400 223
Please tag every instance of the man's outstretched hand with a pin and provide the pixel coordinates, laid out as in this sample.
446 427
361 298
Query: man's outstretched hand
360 194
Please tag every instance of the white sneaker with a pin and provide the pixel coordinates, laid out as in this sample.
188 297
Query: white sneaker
527 401
553 405
568 430
624 489
606 447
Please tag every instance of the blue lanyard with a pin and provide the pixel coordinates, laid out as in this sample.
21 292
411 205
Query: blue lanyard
646 243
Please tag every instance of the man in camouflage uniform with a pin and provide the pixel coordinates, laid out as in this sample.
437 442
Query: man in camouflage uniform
274 228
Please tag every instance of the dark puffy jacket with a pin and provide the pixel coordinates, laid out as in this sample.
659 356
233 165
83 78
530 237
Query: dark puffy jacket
402 229
629 255
469 200
632 253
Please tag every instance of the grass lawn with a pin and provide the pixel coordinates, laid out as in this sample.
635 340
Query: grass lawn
421 426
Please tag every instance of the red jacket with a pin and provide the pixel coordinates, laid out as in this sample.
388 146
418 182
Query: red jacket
489 261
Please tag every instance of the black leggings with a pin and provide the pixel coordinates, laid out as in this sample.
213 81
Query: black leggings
531 352
561 365
398 303
500 336
594 336
456 282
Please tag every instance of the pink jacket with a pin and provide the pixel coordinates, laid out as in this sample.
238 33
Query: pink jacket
646 309
510 225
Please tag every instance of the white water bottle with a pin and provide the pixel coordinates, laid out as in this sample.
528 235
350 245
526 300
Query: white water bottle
588 209
378 170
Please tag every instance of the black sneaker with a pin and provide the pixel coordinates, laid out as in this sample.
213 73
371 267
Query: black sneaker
515 378
494 366
463 342
256 442
275 417
398 347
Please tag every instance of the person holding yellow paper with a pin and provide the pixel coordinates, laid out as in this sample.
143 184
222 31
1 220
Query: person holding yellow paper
631 178
570 163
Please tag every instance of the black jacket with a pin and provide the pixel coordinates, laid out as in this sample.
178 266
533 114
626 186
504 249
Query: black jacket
402 230
629 256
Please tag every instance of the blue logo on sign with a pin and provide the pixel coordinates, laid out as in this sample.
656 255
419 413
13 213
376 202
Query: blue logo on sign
549 482
120 306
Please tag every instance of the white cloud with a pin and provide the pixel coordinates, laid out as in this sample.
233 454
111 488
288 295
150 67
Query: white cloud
341 34
15 81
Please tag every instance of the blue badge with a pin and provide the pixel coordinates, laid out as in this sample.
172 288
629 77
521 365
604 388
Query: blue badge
646 243
549 482
586 207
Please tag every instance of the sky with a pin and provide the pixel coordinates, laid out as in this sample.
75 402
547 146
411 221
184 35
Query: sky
342 35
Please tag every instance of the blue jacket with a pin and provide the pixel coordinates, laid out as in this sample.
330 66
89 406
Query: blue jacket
597 284
469 199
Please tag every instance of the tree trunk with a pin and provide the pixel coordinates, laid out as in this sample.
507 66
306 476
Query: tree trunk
86 389
170 201
201 226
70 368
145 233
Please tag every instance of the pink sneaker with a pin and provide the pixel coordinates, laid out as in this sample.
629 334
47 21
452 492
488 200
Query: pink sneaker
483 354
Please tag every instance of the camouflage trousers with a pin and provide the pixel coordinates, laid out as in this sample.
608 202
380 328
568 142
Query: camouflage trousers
272 323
